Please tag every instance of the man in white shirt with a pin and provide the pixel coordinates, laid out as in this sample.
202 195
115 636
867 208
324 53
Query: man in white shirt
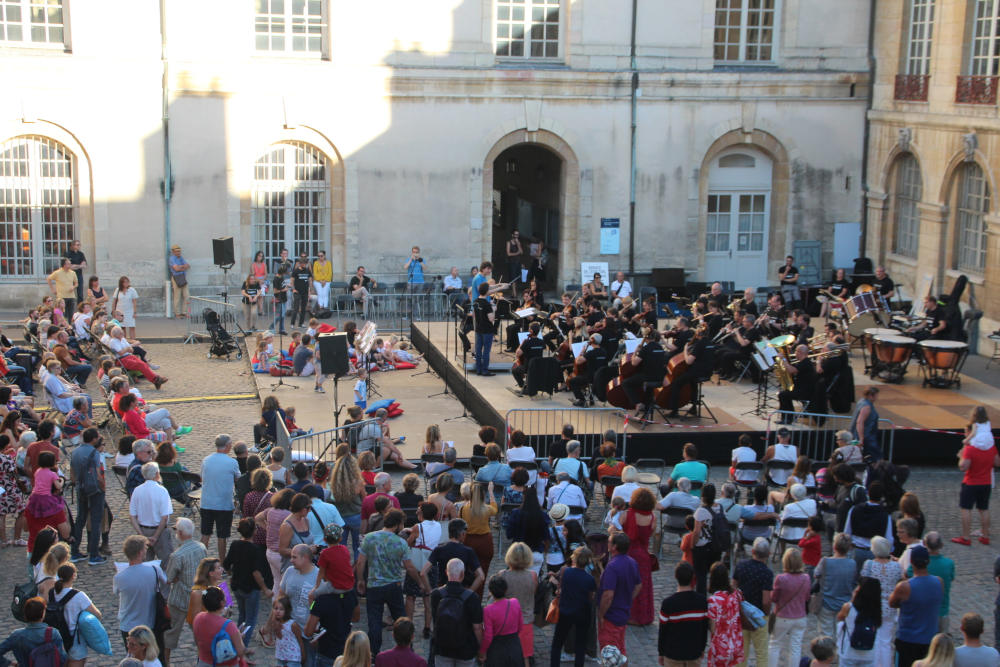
568 494
620 289
680 498
453 287
149 510
744 454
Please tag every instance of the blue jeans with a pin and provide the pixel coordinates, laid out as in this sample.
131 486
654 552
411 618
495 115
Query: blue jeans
378 597
79 373
249 606
484 343
21 378
352 529
279 316
93 507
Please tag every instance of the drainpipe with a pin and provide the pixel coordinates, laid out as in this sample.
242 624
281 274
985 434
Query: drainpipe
167 185
635 104
867 130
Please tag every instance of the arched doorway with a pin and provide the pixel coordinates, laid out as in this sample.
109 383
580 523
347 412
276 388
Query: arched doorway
527 198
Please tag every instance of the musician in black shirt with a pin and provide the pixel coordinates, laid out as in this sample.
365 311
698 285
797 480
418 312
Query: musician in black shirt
302 283
839 289
803 330
717 295
738 347
532 348
749 303
647 318
803 373
678 337
883 284
714 319
776 316
595 315
943 324
789 276
652 362
485 325
593 358
699 366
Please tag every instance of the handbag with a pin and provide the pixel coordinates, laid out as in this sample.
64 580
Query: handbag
751 617
161 618
543 595
553 614
773 616
654 563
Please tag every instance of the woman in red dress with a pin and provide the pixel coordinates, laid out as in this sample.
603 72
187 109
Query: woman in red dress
638 523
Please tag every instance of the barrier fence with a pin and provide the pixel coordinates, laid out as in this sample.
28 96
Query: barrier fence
321 445
544 425
818 442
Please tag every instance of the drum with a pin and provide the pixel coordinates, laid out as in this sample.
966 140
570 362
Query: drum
893 349
943 354
870 334
863 312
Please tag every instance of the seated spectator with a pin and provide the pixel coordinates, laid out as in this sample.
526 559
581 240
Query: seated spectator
801 474
366 463
124 457
76 421
279 473
630 482
383 485
494 471
690 467
306 362
130 360
22 642
514 494
848 450
135 421
435 470
433 444
518 449
728 503
158 419
60 393
758 510
166 458
571 464
680 498
409 499
800 507
566 493
609 466
744 453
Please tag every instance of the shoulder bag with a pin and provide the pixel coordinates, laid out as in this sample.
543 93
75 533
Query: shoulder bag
773 616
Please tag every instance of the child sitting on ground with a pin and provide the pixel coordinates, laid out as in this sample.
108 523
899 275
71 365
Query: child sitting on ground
296 338
313 326
293 428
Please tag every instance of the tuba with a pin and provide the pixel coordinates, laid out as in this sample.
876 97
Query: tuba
784 377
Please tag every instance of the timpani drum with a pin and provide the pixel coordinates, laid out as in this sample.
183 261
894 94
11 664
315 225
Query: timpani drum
891 355
943 362
869 337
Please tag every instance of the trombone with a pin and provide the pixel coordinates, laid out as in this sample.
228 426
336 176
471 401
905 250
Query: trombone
823 355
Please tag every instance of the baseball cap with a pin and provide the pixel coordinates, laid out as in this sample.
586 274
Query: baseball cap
920 556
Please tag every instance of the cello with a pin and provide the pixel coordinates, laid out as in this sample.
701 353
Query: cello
675 368
616 391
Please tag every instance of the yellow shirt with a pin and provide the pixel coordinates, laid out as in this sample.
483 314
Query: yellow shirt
65 283
480 526
323 272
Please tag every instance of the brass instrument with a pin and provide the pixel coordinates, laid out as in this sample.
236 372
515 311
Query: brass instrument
864 288
736 305
823 355
782 373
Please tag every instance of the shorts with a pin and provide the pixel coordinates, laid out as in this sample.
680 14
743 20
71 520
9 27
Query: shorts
78 651
223 520
976 494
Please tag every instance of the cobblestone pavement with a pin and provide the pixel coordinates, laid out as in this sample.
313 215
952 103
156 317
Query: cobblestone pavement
192 375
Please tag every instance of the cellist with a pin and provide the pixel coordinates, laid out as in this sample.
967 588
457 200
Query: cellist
699 365
592 358
651 359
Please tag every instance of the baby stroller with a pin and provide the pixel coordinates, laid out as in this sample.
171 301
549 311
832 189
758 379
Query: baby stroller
223 345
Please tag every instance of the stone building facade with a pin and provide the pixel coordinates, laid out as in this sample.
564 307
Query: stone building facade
364 128
934 149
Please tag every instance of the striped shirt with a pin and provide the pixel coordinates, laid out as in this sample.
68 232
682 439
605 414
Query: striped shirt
180 570
683 626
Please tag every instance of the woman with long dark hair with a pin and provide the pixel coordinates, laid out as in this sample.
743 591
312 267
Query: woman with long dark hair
529 524
725 648
704 554
865 607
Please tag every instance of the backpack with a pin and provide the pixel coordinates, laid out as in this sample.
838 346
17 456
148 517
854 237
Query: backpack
90 483
55 615
45 654
451 619
720 540
222 645
22 593
863 634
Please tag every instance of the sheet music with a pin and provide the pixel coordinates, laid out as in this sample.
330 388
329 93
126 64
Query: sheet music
632 345
577 348
521 335
525 312
630 336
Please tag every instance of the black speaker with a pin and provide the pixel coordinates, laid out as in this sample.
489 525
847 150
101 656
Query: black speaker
222 251
333 358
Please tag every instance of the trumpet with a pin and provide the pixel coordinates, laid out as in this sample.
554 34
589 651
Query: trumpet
736 305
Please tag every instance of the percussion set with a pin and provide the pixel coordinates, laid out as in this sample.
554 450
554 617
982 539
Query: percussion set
866 310
943 362
889 353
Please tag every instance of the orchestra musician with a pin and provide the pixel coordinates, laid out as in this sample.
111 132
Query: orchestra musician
521 324
883 284
651 359
562 321
484 319
944 323
774 317
676 338
532 348
484 276
789 278
749 305
594 316
839 288
644 320
611 332
716 294
714 319
738 347
699 363
802 329
834 380
803 372
627 310
590 360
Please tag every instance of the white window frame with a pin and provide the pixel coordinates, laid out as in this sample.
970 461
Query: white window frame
744 29
31 201
288 19
526 23
983 57
908 193
972 205
920 37
286 191
27 26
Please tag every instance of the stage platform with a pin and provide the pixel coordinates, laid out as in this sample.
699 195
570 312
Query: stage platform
911 411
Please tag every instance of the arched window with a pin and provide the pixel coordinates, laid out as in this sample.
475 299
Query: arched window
291 201
907 196
37 206
970 227
737 160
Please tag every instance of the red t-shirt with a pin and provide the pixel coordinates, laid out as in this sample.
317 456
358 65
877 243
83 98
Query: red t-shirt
205 627
979 473
811 549
136 422
337 561
368 505
36 448
368 476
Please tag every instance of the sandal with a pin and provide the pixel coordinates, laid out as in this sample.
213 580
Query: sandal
20 543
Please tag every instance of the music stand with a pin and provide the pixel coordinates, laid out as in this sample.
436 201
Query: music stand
447 362
281 380
363 344
466 346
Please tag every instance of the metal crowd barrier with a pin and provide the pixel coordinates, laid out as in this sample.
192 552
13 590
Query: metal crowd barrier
818 442
544 425
322 445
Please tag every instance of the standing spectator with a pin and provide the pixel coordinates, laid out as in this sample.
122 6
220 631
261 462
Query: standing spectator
435 567
458 620
180 571
522 582
74 602
63 282
246 564
35 633
87 468
149 510
347 493
637 523
944 569
918 600
279 291
219 473
865 606
357 651
940 654
501 645
976 460
12 502
705 553
690 467
141 645
756 581
211 622
478 536
484 319
576 602
388 559
270 521
973 653
294 530
46 506
245 483
414 266
301 282
320 515
621 583
78 262
683 622
726 646
125 300
888 572
296 583
836 576
865 521
178 276
823 650
791 592
401 655
864 425
908 531
333 613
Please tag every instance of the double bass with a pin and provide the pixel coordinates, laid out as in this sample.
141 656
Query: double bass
616 391
675 368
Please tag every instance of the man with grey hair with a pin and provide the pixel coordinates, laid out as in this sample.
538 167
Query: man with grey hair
149 509
943 568
456 646
219 473
180 569
142 451
798 506
572 465
569 494
435 470
756 581
383 486
296 583
680 498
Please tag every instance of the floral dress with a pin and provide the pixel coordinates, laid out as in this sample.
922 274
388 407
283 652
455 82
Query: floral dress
12 501
726 646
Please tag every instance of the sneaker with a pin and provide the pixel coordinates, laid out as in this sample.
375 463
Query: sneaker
184 430
566 657
154 367
76 558
100 560
179 450
319 390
